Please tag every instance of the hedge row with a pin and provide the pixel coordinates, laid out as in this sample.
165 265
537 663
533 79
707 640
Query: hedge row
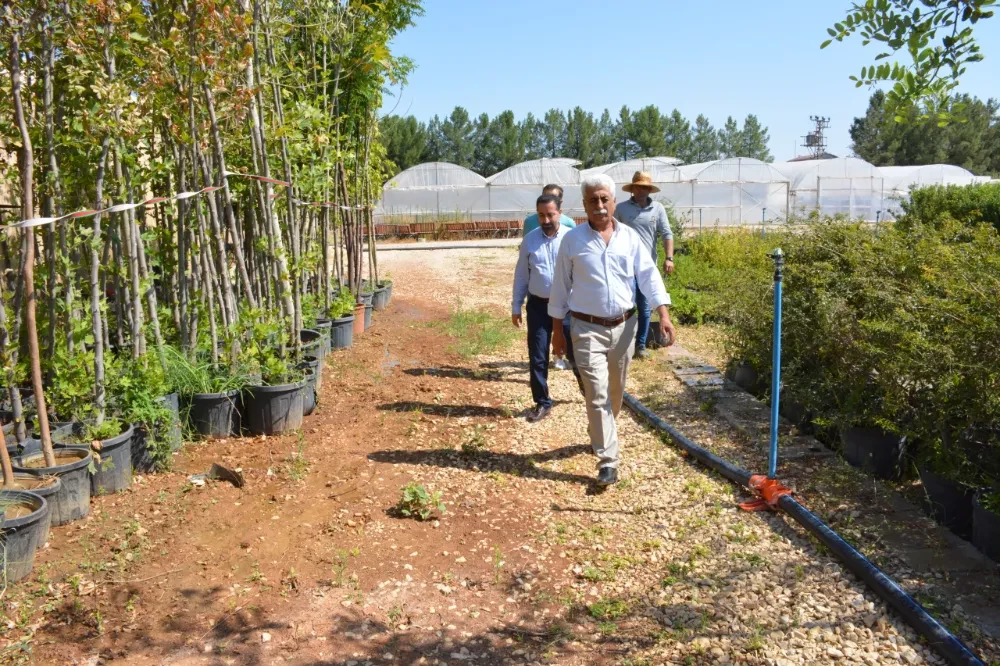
896 327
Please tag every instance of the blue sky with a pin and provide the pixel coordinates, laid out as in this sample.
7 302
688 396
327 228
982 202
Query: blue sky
728 57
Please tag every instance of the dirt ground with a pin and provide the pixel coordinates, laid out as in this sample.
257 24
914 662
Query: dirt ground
312 564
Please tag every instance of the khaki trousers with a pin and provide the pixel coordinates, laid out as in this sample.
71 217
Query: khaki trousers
602 356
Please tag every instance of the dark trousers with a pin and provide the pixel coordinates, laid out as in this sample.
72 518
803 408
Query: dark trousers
644 314
539 346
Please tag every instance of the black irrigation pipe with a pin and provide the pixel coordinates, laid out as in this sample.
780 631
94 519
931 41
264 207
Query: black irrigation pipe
939 638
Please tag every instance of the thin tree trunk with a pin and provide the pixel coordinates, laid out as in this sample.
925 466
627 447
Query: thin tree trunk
95 291
27 165
220 159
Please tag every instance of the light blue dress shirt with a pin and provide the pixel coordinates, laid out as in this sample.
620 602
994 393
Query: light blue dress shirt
531 223
535 266
599 280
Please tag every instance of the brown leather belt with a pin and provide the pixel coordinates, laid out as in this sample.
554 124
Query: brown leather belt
601 321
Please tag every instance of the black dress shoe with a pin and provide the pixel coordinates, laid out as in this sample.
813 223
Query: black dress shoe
607 476
538 413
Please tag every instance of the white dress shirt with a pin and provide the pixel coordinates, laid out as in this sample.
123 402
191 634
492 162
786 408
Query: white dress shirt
536 265
598 279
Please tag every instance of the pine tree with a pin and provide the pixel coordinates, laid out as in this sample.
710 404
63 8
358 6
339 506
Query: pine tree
482 158
555 133
625 148
678 137
457 130
435 141
405 140
533 137
649 132
582 135
704 144
754 139
730 139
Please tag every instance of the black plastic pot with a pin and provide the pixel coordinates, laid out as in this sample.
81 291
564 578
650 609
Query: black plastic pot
272 410
872 449
315 365
30 445
368 316
23 536
212 414
985 529
367 297
796 414
114 472
745 376
342 332
309 392
388 292
312 342
380 300
948 502
172 430
72 500
44 491
323 326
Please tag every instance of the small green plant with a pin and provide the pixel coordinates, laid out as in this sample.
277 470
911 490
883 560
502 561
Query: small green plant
497 564
416 501
476 441
479 332
610 609
298 465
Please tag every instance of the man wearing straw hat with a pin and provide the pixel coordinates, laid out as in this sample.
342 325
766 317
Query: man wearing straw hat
596 271
649 219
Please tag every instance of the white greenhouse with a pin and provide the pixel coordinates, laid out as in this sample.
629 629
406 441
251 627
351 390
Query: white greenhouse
513 191
434 189
731 191
662 170
899 180
841 186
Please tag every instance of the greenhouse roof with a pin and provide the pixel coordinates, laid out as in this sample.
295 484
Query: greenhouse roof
803 175
558 170
903 178
436 174
732 170
662 169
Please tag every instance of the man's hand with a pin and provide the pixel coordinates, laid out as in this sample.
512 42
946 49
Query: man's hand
666 326
516 320
668 266
558 341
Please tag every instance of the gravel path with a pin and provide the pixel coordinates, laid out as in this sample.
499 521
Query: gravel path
663 568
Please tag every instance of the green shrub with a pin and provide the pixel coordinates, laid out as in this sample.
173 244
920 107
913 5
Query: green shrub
416 501
968 204
896 328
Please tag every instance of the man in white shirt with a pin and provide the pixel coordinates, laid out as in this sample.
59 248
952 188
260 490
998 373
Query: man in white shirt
533 279
598 265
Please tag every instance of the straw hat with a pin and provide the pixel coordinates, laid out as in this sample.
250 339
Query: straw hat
643 179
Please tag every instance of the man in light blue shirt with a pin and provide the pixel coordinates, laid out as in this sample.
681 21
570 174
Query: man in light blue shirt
531 222
598 266
649 219
533 280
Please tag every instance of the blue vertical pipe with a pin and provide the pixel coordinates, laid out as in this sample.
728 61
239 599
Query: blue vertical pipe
763 217
779 266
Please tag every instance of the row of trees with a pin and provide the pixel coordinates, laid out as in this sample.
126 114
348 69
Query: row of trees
971 140
109 102
488 145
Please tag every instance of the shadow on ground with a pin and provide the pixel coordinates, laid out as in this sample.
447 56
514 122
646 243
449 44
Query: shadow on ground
433 409
523 466
454 372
